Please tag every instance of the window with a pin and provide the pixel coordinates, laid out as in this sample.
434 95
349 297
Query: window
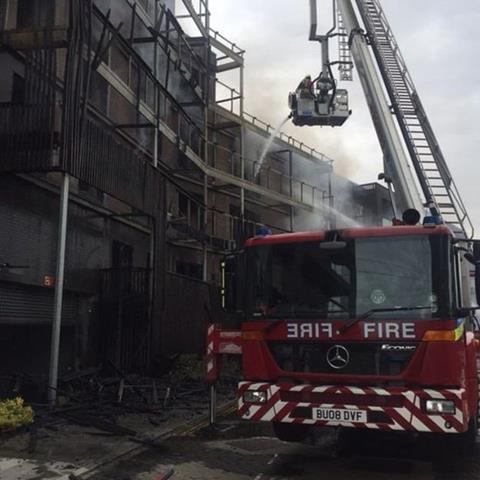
134 77
18 89
182 205
119 61
121 111
194 270
99 92
35 13
147 5
191 211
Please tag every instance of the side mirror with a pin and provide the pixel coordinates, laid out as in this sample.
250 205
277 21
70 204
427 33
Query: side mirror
231 271
476 258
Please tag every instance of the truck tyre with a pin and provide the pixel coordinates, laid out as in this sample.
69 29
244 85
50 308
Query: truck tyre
462 443
290 433
469 438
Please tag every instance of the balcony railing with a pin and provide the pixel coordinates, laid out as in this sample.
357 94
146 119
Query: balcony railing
223 232
225 41
267 176
28 141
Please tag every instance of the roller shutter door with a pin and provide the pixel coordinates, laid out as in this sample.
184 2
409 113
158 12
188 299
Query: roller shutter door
20 304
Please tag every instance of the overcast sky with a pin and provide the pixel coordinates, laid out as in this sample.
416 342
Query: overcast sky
440 42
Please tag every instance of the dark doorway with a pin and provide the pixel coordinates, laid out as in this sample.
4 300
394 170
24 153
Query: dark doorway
125 313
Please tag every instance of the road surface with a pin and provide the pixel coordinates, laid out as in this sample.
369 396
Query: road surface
241 451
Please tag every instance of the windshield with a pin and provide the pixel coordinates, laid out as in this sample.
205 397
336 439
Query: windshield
303 280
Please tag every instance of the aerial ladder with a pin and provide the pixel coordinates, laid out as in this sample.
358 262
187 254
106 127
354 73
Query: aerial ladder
413 159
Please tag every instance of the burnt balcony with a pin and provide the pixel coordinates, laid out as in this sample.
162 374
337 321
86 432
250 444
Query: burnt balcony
29 140
31 38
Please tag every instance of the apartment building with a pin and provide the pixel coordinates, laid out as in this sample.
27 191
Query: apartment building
117 124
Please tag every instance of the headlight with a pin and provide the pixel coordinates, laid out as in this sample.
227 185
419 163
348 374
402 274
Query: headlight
254 396
440 406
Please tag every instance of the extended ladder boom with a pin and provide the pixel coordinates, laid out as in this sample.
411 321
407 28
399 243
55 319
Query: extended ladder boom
395 159
434 178
426 156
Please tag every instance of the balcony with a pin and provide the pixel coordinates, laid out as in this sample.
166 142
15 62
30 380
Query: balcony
32 38
224 232
29 140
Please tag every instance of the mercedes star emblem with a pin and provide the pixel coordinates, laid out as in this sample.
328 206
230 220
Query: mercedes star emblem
338 357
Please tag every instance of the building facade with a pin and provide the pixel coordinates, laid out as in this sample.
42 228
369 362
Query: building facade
164 176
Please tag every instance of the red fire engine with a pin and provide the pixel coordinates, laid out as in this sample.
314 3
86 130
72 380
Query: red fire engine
365 328
368 328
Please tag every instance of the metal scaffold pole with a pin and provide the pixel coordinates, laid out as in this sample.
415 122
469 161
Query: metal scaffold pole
213 404
155 92
58 298
242 147
205 226
206 160
213 387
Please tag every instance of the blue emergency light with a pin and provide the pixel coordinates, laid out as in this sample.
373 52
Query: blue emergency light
432 220
263 231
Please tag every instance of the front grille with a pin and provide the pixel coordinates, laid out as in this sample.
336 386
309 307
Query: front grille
343 398
366 358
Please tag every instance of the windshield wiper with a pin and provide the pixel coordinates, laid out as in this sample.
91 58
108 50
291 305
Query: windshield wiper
365 315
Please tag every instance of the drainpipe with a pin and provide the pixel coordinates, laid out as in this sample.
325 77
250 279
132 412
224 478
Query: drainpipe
58 299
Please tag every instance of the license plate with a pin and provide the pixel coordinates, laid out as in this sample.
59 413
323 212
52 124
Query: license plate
340 415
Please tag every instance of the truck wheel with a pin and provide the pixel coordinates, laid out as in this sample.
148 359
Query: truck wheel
469 438
290 433
462 443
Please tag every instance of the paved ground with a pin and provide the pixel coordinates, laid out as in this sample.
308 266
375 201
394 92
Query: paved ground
236 450
244 451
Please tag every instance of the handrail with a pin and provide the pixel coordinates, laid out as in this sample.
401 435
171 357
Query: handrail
228 87
255 121
290 186
229 44
222 225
